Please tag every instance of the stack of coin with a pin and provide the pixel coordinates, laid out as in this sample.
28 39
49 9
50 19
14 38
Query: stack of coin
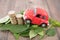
12 15
19 19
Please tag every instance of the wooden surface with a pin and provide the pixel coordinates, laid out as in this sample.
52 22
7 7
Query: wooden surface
51 6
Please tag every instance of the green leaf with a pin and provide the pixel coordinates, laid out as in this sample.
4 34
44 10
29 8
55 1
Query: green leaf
34 26
32 34
4 19
14 28
57 24
16 36
42 33
51 32
54 22
38 29
1 25
25 33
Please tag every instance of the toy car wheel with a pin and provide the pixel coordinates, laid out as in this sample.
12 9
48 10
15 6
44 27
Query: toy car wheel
44 25
28 21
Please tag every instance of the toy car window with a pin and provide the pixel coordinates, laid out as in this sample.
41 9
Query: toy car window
38 15
43 17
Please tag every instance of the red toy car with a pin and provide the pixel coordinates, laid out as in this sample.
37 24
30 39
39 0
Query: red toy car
36 16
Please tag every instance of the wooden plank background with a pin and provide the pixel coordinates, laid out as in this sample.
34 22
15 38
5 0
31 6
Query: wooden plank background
51 6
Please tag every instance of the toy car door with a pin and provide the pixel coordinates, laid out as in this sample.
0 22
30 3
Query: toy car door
37 19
